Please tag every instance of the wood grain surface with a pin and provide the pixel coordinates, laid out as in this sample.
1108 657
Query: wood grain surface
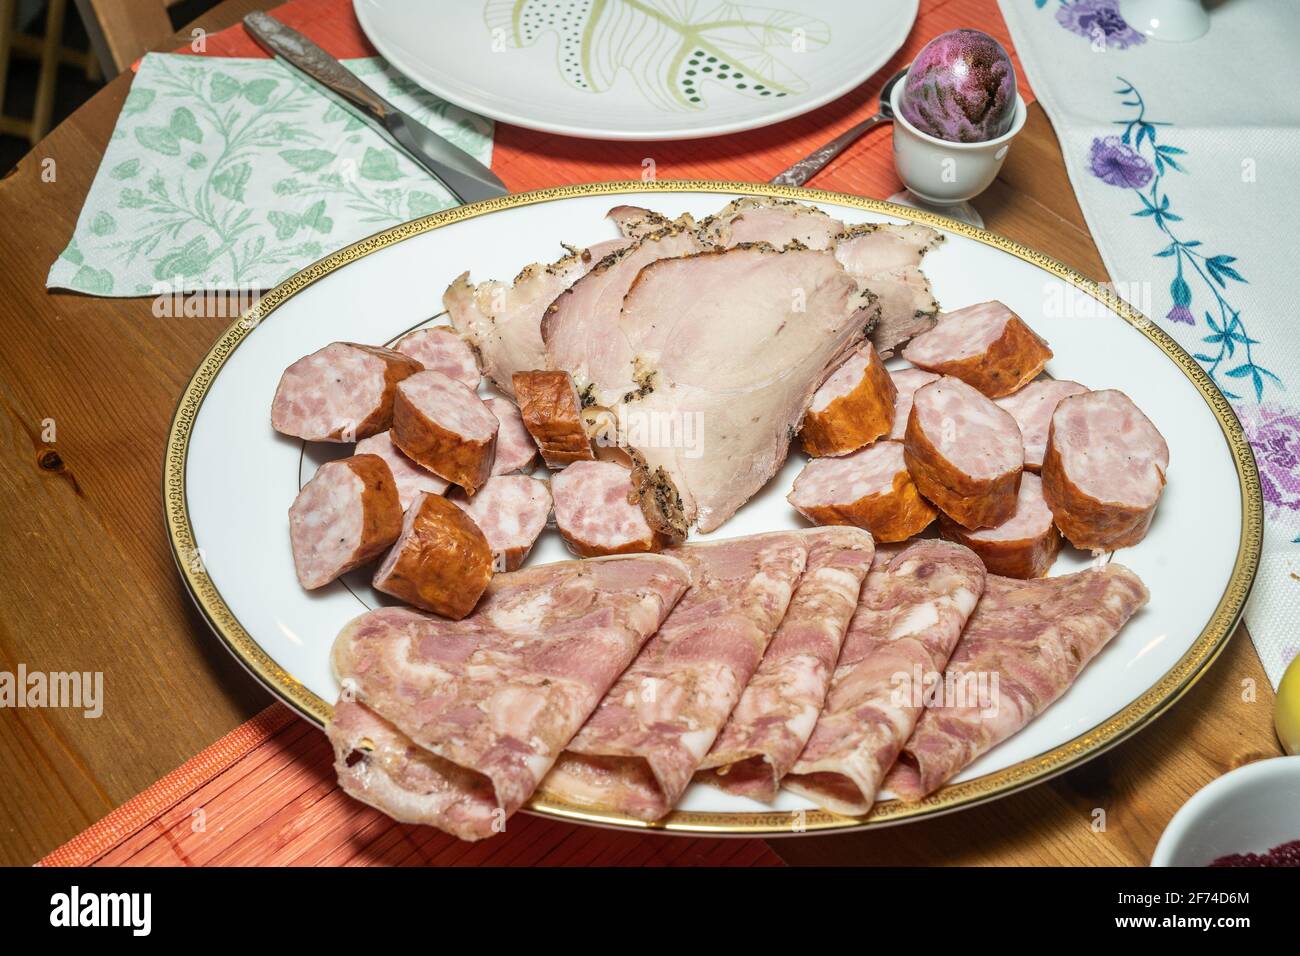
87 581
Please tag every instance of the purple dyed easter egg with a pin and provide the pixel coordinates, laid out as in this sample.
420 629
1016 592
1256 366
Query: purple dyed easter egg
961 87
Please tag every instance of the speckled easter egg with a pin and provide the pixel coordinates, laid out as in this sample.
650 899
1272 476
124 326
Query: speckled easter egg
961 87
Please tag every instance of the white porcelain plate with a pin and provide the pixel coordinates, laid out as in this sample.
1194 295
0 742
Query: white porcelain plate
638 69
229 479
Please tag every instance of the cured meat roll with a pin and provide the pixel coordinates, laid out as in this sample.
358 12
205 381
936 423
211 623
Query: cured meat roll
1035 636
445 427
1023 546
965 454
409 478
648 736
778 709
552 414
511 511
908 620
453 723
342 392
1032 408
597 511
986 345
854 407
441 561
1103 470
346 515
515 447
442 350
871 488
906 382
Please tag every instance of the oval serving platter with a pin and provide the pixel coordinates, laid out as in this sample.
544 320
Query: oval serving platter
229 478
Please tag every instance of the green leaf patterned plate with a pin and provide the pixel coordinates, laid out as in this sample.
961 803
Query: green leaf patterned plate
638 69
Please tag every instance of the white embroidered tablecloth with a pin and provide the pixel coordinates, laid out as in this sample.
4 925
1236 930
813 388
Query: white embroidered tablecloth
232 174
1184 157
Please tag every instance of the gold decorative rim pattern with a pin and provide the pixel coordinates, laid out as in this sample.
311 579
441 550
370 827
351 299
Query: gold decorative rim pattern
1119 726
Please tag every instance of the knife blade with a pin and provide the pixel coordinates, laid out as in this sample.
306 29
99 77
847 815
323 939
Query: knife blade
464 176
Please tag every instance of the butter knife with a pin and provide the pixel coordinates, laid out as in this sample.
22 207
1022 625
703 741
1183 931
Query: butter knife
464 176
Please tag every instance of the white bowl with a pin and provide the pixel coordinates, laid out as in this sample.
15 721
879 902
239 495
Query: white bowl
944 173
1250 810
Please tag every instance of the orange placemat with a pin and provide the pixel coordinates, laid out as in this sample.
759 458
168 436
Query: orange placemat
525 159
265 793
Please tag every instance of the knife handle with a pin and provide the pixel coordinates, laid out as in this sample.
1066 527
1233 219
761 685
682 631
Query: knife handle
286 42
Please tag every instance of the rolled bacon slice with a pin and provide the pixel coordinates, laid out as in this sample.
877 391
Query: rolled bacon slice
778 709
452 724
908 620
1035 636
637 753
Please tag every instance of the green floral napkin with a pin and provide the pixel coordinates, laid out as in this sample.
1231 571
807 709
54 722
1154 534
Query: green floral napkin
230 173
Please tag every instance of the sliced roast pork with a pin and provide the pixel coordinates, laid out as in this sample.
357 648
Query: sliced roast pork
638 751
453 724
908 620
582 328
778 709
636 221
729 348
886 258
1032 638
503 321
778 222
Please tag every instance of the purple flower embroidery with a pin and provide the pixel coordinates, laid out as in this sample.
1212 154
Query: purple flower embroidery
1099 21
1181 313
1274 433
1113 161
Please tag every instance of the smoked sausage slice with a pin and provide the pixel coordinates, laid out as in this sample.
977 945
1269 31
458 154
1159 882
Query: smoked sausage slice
511 511
597 511
441 562
442 350
1104 470
409 478
1023 546
906 382
342 392
870 488
552 413
346 515
986 345
965 454
1032 409
854 407
445 427
516 449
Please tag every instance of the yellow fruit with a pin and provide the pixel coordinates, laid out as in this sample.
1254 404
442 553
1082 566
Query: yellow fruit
1286 715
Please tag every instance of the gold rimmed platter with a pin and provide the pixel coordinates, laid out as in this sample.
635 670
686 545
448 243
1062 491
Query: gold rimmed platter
229 479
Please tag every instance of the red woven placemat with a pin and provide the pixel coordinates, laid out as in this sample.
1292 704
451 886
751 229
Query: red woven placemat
265 793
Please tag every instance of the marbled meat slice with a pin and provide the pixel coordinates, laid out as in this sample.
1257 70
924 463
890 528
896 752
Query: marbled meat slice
1034 637
468 716
908 620
648 736
779 707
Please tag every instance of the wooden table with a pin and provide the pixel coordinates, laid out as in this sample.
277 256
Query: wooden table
87 581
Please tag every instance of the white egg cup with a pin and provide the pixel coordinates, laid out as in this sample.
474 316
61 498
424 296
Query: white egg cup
943 176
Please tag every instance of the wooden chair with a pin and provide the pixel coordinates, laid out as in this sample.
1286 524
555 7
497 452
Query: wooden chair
50 53
122 30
